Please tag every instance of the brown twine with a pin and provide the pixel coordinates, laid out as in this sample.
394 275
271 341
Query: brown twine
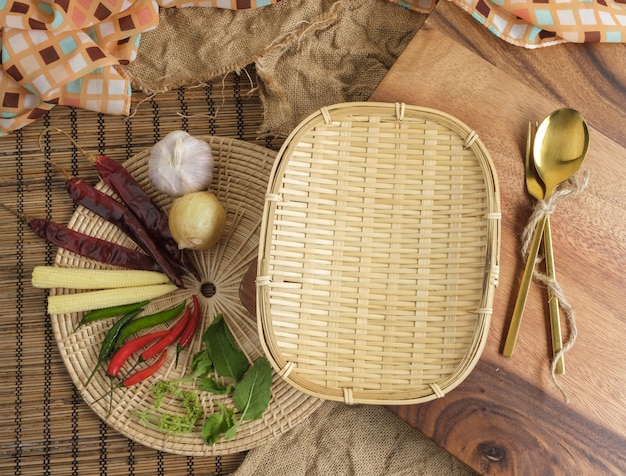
136 108
305 30
543 209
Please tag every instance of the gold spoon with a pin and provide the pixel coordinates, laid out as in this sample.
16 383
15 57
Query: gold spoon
535 188
560 146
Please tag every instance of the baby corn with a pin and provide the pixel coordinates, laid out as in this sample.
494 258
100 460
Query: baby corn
85 278
89 300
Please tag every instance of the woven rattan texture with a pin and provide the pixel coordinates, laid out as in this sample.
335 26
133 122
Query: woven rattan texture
240 175
380 254
47 428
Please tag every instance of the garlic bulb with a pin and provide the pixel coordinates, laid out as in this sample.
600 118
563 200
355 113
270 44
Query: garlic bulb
180 163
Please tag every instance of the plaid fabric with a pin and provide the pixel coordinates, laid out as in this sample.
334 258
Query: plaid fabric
64 52
537 23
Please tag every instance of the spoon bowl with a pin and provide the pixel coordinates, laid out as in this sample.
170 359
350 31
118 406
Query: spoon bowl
561 144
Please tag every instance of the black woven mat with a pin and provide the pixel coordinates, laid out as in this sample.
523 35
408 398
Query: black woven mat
46 427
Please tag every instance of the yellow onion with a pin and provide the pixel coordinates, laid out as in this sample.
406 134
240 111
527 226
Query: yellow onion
197 220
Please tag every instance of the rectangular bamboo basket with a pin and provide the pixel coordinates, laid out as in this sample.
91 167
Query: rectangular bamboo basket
379 254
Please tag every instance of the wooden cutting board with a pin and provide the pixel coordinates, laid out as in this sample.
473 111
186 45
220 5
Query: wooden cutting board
508 417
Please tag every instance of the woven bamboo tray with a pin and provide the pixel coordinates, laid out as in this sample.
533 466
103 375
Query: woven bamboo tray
379 254
240 179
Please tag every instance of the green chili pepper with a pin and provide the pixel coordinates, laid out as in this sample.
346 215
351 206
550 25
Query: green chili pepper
145 322
108 344
108 312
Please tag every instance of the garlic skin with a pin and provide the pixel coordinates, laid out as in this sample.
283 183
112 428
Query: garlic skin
180 163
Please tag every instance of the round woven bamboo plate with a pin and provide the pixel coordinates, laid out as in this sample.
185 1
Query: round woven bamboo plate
379 254
240 180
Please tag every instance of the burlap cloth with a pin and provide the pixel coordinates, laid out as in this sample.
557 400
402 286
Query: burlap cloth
308 53
341 440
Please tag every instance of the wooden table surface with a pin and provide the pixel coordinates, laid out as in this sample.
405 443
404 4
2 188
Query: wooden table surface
508 417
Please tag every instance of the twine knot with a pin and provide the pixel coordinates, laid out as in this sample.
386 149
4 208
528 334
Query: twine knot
546 208
541 210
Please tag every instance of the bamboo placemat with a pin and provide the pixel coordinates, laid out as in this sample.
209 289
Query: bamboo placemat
46 427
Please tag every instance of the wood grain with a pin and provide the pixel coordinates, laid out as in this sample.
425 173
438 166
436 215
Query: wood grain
493 437
589 77
507 417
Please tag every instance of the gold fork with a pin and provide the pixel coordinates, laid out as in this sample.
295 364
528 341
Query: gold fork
535 188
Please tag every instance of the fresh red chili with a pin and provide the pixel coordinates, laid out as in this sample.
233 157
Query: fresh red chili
116 176
171 336
90 246
143 374
113 211
190 329
130 347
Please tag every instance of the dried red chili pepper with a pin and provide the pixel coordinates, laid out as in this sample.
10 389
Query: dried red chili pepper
87 245
143 374
91 247
116 176
168 339
190 329
121 356
115 212
155 221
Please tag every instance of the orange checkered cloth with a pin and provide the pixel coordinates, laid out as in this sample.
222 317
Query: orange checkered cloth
65 52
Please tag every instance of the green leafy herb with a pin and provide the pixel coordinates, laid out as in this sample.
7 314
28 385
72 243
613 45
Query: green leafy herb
212 386
201 365
231 432
228 360
252 394
217 424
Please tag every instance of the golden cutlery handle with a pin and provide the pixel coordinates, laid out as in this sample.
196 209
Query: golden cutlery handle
516 318
555 320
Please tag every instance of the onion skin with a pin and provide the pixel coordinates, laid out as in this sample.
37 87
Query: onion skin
197 220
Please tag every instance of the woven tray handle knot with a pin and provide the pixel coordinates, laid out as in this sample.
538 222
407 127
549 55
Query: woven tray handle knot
400 108
286 370
470 139
348 398
273 197
437 390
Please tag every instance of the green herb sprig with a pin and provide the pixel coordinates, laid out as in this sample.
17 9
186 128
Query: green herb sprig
168 423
